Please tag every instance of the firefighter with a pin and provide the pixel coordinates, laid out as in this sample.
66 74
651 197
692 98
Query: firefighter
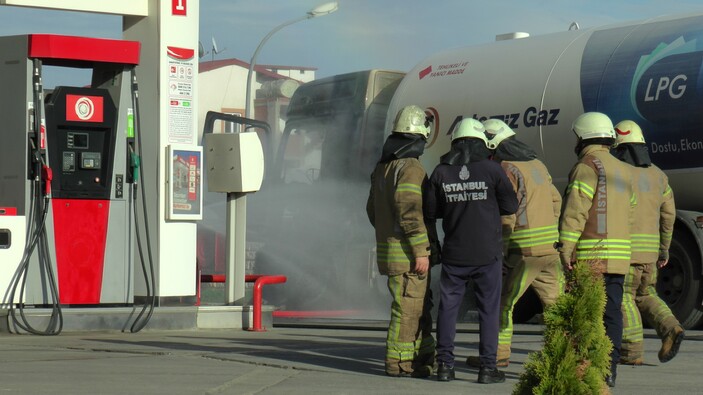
529 235
652 230
596 216
469 192
394 208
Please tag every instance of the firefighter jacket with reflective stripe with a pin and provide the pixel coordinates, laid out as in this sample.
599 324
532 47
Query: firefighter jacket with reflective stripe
534 228
655 214
598 209
394 208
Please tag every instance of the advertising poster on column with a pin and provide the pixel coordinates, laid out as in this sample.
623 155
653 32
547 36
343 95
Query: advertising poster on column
181 119
185 185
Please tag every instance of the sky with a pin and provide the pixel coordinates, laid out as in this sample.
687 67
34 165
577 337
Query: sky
362 34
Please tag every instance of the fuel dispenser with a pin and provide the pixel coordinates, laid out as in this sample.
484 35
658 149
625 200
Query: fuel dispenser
67 167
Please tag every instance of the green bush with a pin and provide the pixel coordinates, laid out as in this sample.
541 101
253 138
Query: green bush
576 355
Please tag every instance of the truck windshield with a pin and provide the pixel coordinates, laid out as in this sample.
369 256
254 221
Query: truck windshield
300 153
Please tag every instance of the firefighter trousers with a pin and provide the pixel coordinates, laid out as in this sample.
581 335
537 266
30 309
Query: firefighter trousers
640 301
543 273
612 316
409 343
487 284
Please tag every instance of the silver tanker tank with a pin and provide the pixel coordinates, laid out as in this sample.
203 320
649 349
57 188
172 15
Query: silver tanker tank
650 72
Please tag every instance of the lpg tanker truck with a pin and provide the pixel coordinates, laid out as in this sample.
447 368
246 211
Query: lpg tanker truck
650 72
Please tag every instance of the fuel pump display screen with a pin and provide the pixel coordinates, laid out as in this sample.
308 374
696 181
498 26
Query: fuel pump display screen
77 140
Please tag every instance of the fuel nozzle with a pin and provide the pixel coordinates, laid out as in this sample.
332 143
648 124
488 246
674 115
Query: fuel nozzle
47 175
134 163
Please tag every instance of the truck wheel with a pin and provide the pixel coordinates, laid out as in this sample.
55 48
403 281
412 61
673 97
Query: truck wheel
679 283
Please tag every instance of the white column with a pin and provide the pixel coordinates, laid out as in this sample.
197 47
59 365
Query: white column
169 38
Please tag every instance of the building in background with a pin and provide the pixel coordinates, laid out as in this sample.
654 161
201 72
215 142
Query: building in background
222 88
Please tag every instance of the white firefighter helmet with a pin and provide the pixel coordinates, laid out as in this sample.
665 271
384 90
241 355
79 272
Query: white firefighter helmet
497 131
469 127
593 125
412 119
628 132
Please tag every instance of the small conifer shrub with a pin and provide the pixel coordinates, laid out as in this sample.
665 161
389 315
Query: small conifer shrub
576 355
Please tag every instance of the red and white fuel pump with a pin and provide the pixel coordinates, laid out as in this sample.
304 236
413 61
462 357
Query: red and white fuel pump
67 163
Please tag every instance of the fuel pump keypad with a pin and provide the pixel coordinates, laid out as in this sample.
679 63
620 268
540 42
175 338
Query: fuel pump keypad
69 161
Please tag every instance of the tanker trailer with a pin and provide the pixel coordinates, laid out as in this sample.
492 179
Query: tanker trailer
650 72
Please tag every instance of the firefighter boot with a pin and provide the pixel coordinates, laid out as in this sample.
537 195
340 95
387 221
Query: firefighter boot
636 361
670 344
633 354
502 359
397 368
490 376
424 365
445 372
610 379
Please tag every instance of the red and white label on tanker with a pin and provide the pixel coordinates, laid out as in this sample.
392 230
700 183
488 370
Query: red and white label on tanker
84 108
178 7
443 70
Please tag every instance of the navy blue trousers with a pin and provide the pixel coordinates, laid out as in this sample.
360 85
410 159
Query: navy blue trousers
487 281
612 317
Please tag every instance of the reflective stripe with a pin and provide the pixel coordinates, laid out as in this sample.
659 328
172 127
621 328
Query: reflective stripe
535 241
667 191
395 252
636 248
603 249
401 351
604 243
592 255
569 236
523 233
583 187
643 242
418 239
412 188
545 235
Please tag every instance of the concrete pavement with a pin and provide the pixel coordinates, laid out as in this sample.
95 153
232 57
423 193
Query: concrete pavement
302 357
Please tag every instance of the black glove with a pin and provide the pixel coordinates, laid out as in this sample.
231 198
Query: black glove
435 253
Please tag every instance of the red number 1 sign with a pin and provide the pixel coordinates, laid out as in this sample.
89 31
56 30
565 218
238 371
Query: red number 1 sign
178 7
